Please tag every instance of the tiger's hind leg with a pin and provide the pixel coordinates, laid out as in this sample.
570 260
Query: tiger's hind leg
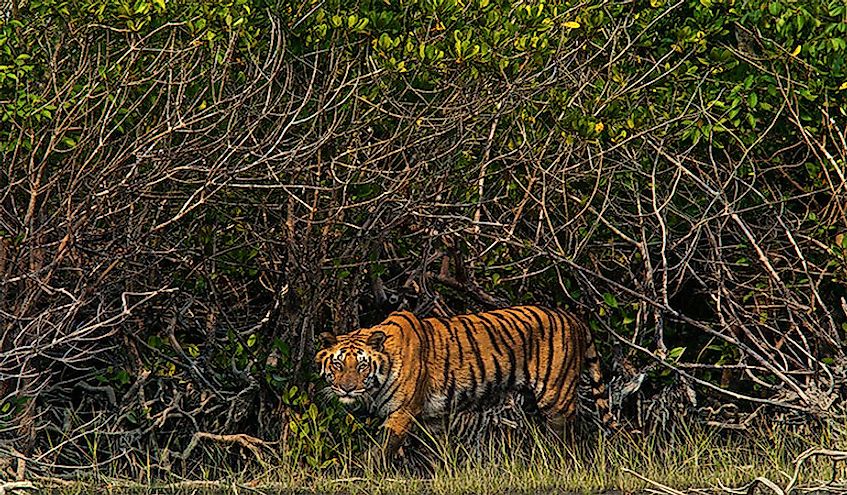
561 423
559 411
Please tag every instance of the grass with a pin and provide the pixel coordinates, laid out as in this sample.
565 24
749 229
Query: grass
698 457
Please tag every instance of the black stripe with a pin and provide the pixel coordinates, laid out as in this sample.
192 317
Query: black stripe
447 346
454 333
578 338
570 368
510 351
526 323
542 328
386 364
477 354
487 327
495 384
526 345
517 325
451 392
562 326
507 332
392 391
580 330
599 379
494 327
539 334
564 377
408 320
468 393
535 311
423 350
413 327
428 338
498 375
450 329
571 390
526 317
576 364
538 328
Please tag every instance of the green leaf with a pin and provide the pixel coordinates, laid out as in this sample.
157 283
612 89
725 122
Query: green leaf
751 119
141 7
610 300
675 353
385 41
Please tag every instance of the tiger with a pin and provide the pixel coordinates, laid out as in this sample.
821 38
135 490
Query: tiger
409 369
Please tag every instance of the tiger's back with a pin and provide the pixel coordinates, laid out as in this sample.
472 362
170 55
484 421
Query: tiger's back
417 369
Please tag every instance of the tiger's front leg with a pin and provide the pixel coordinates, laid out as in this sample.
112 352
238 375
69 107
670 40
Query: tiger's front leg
394 431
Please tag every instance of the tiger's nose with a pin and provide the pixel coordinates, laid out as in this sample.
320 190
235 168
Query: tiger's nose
348 387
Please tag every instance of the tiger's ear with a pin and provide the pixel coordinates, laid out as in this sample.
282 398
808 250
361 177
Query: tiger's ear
376 340
327 339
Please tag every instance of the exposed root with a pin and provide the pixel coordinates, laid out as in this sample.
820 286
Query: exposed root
659 487
750 488
253 444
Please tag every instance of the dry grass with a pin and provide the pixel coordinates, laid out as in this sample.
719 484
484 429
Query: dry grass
690 459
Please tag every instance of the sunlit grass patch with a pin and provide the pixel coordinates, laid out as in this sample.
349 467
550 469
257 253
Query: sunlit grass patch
535 462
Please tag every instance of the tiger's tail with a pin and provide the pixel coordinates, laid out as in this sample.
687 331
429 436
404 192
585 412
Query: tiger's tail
598 386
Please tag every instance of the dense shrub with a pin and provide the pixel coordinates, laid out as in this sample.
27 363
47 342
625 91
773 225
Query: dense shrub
191 190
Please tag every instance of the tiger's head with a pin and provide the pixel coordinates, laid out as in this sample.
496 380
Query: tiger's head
354 365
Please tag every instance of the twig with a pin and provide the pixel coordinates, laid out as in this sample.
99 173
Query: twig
662 488
12 486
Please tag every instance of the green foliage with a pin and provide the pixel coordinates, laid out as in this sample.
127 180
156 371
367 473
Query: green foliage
317 436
